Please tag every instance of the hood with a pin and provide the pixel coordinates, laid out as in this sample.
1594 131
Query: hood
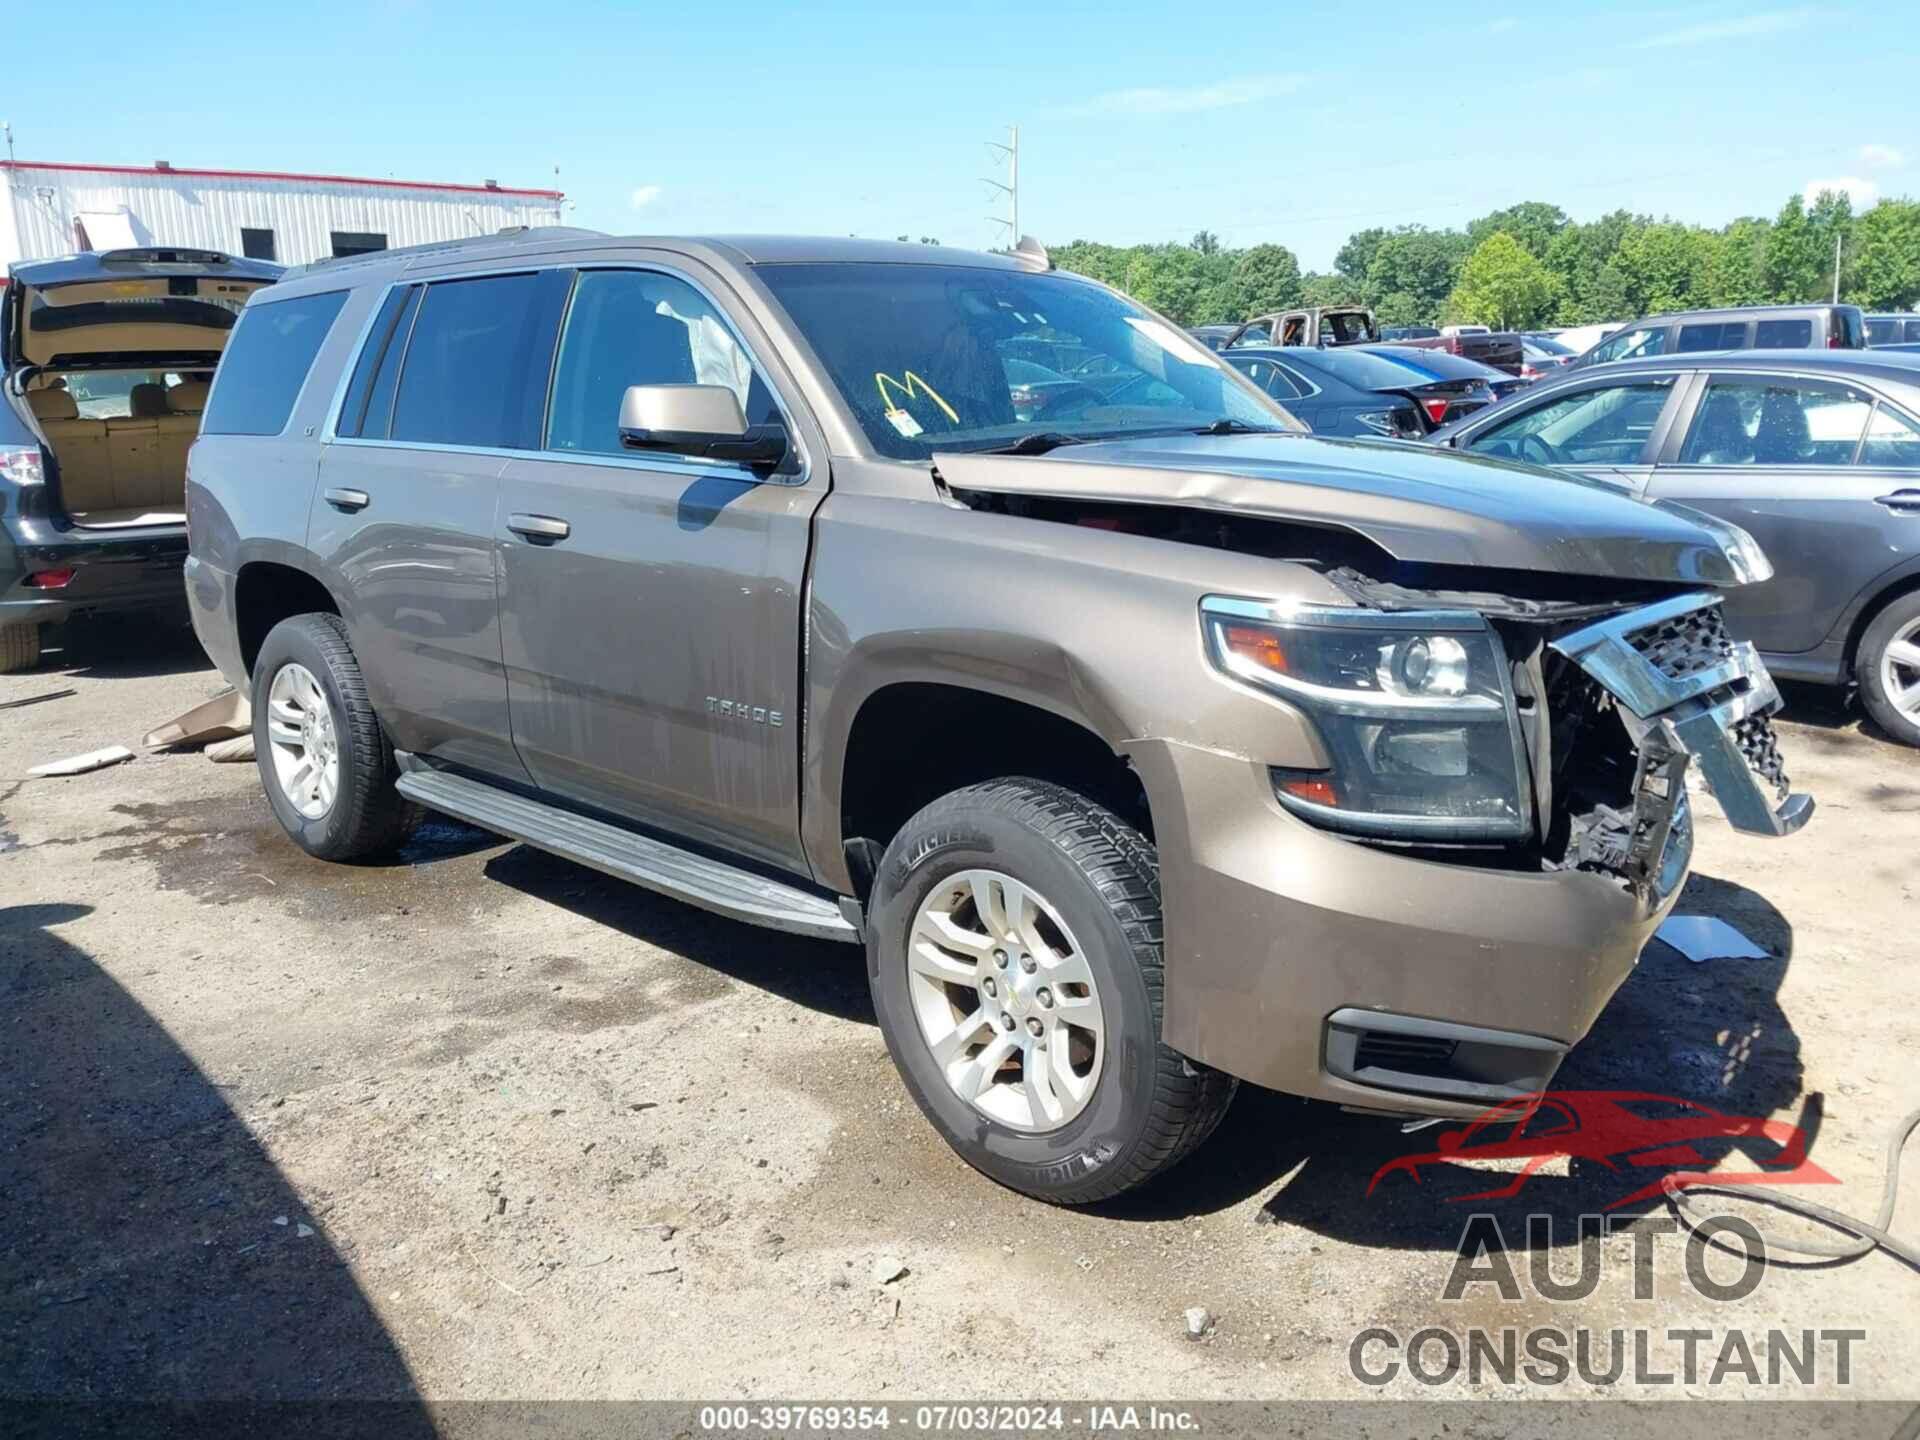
1420 505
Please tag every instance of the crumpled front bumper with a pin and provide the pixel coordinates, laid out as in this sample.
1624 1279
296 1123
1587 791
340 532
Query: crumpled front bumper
1303 961
1687 690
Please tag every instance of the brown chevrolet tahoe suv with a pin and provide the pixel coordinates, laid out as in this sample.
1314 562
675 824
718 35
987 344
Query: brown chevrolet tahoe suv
966 611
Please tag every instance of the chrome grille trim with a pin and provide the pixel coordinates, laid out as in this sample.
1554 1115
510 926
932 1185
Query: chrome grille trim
1694 690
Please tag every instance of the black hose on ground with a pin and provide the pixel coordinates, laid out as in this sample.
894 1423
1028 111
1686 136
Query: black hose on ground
1869 1237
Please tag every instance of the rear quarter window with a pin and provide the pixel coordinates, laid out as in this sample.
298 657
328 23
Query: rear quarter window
267 361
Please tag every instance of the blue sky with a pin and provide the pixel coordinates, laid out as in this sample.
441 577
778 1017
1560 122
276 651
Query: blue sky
1138 121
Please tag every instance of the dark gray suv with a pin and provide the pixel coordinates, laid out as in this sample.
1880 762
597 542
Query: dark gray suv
1816 454
1748 327
1146 742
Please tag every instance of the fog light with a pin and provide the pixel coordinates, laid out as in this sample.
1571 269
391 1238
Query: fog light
50 579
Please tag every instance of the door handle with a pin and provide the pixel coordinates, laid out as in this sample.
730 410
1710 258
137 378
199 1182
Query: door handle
541 529
343 499
1901 502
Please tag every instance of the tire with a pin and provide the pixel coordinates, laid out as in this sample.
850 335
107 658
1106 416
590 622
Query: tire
1098 880
366 816
19 647
1897 625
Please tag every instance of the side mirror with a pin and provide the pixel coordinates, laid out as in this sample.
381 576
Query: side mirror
701 421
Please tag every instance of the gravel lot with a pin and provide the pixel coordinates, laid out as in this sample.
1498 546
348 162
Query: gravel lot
482 1124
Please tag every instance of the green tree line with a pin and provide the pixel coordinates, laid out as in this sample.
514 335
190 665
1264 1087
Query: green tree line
1531 265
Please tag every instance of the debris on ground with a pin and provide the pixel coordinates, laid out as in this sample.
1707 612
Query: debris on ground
888 1268
81 764
36 699
221 718
303 1231
1199 1322
1707 937
230 752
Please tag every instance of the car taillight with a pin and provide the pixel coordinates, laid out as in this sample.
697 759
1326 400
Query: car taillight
1436 409
1833 342
22 465
50 579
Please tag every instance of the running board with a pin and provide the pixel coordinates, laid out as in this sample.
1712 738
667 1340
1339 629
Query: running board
711 884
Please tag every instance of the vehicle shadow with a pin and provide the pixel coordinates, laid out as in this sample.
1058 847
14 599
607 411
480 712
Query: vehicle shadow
142 1254
1711 1033
122 647
820 974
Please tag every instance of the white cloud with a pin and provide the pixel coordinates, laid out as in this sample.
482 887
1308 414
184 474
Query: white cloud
1863 193
1502 25
1769 22
1881 157
643 196
1155 100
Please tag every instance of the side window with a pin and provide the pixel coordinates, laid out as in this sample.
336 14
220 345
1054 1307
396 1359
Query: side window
1892 439
1712 335
475 371
1632 343
1261 334
1783 335
639 327
1271 378
1762 422
1607 425
1882 331
1912 329
379 361
266 362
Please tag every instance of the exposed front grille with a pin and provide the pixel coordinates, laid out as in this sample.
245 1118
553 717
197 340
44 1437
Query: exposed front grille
1755 737
1686 644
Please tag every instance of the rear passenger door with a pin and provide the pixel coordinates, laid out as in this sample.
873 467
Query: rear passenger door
651 605
450 380
1776 455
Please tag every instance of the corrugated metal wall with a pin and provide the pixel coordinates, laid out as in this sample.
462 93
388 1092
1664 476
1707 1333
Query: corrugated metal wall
190 209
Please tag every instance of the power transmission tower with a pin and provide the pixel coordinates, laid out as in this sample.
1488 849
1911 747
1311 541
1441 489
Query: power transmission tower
1012 187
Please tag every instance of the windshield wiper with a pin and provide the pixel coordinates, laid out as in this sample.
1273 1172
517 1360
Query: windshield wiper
1239 427
1038 443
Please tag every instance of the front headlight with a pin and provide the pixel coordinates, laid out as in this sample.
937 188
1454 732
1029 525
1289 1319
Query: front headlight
1416 709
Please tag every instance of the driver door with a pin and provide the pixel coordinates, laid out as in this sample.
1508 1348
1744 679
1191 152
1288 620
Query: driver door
1609 429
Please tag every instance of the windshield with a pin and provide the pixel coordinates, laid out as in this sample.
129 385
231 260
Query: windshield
949 357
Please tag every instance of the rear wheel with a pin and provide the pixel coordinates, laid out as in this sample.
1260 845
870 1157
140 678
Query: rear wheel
324 760
1888 669
19 647
1014 953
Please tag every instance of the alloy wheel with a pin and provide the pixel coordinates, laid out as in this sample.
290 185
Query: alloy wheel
1900 671
1005 1000
305 745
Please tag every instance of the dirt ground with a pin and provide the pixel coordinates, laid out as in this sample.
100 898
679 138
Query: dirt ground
482 1124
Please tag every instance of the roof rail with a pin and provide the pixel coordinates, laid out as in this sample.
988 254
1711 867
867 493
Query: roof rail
510 237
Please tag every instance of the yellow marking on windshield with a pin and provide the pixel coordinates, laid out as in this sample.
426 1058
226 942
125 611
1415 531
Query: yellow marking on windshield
912 386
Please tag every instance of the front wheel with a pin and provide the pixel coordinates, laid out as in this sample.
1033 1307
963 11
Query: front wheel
1014 951
324 760
1888 669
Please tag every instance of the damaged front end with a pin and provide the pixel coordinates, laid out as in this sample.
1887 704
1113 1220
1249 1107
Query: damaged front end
1683 690
1549 734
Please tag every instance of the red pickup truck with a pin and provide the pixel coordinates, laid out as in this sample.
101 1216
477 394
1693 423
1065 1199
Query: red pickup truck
1353 325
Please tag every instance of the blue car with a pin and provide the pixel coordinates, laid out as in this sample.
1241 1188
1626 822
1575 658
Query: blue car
1367 390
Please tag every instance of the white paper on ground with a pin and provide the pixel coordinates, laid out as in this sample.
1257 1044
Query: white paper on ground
1703 937
80 764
